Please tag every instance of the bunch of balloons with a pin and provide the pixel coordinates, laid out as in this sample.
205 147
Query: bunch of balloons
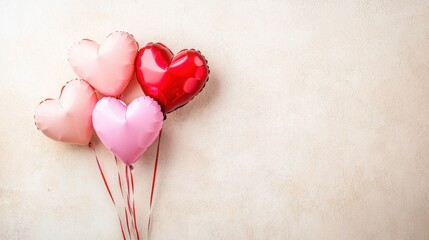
169 82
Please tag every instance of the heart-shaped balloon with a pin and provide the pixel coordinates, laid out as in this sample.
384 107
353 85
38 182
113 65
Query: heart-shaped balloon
171 80
127 131
107 67
69 118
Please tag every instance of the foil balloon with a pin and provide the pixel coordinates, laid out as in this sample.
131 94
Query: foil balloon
127 131
68 119
107 67
171 80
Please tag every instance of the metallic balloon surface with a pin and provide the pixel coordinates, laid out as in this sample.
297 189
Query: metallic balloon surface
68 119
107 67
171 80
127 131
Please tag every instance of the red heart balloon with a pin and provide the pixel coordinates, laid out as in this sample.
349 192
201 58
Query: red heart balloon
171 80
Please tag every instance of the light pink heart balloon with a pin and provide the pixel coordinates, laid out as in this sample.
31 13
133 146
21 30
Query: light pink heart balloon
127 131
107 67
69 118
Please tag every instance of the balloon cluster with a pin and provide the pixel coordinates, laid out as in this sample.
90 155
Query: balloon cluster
169 81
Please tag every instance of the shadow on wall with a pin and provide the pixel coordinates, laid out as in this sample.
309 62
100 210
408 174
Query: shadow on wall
202 101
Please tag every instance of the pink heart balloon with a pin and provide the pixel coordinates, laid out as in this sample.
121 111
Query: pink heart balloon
107 67
127 131
69 118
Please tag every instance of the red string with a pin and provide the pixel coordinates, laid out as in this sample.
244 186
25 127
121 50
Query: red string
122 229
130 201
155 167
132 212
134 207
107 187
128 225
123 197
119 177
128 189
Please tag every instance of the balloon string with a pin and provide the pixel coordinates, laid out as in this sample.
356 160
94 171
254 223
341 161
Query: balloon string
107 187
155 168
119 176
130 198
134 207
128 225
122 228
123 196
128 189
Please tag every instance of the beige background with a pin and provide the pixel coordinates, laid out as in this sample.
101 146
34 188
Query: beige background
314 124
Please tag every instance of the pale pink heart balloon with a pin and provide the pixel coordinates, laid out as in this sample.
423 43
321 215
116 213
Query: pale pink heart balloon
127 131
69 118
107 67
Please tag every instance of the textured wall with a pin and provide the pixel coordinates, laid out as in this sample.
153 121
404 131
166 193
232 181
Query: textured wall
314 124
